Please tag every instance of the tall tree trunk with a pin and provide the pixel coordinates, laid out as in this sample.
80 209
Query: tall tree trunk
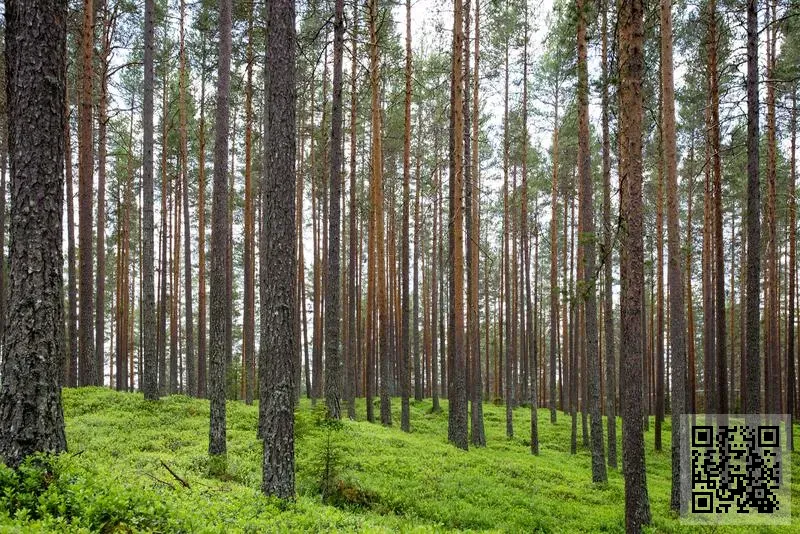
377 211
588 281
124 338
201 230
473 240
631 28
752 398
165 197
191 371
527 308
354 299
554 268
89 372
149 382
249 319
772 390
31 417
691 387
791 391
721 377
216 385
509 392
709 367
457 390
277 276
677 322
434 267
658 338
102 151
174 324
72 298
419 373
333 358
405 379
608 257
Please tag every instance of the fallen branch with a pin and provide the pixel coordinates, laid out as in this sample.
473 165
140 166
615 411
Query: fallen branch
164 482
174 474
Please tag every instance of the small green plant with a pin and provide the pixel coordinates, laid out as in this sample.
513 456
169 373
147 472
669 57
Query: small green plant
217 465
328 460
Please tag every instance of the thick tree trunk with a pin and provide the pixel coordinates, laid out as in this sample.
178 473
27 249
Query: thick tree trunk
377 211
219 237
88 370
677 322
721 378
472 156
457 390
149 382
772 390
588 280
631 28
278 261
333 357
31 417
752 397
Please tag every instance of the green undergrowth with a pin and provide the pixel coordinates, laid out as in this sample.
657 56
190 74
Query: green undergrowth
140 466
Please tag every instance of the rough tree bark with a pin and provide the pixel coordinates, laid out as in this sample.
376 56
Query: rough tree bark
721 378
249 319
191 368
457 390
72 298
677 323
405 371
149 383
333 357
201 230
588 239
631 55
354 296
88 372
752 404
608 254
473 242
219 240
277 275
31 417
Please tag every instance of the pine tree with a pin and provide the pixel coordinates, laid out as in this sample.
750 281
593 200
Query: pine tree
149 382
631 61
277 278
218 277
333 358
31 417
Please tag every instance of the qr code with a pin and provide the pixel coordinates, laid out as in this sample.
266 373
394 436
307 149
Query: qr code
735 469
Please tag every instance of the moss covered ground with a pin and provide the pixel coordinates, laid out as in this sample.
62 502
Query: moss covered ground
356 476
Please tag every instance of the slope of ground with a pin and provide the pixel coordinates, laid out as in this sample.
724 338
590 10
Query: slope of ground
137 466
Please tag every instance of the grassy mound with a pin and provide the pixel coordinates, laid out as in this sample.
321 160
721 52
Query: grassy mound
139 466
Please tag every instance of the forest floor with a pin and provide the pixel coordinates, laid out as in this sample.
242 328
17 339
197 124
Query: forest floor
138 466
